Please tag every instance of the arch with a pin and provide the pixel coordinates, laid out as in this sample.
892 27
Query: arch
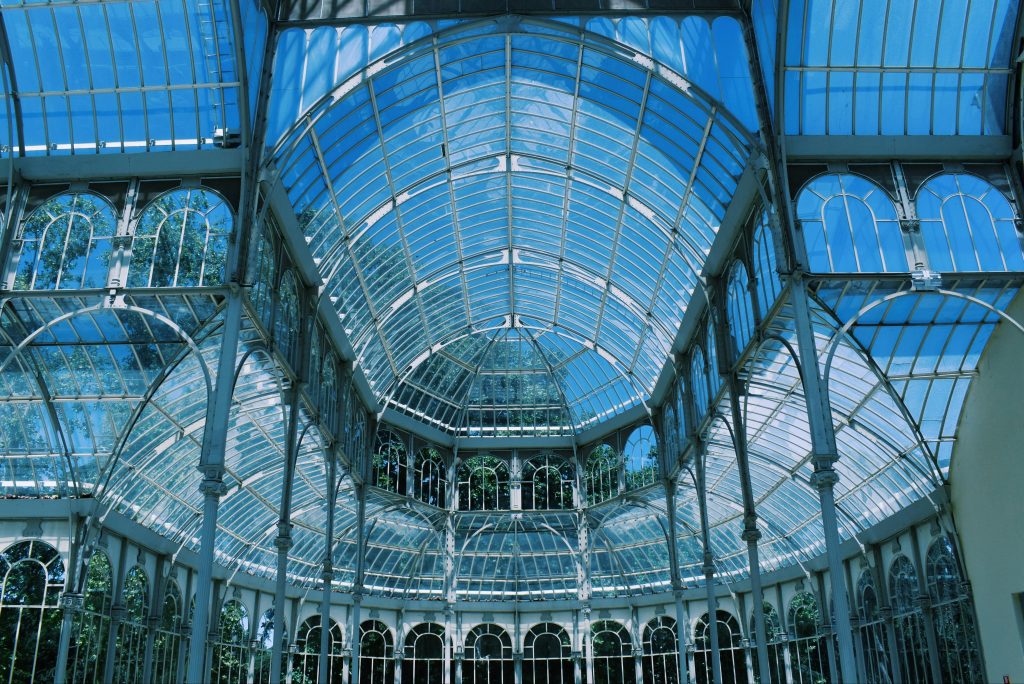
968 225
306 662
484 484
640 456
430 477
547 483
31 579
911 640
92 624
167 639
774 635
730 651
133 628
547 650
66 243
376 653
849 225
181 240
425 646
766 270
955 631
230 661
807 645
488 656
661 651
738 308
612 653
389 466
602 476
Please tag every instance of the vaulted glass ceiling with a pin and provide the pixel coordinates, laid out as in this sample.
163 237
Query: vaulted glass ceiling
516 175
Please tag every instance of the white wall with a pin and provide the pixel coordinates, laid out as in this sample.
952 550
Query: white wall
987 480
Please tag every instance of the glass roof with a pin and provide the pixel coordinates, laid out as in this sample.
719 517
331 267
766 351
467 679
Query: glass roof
513 176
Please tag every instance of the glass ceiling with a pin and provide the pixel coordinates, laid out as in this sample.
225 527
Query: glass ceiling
513 175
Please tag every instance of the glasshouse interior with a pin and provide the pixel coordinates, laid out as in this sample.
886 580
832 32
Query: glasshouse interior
511 341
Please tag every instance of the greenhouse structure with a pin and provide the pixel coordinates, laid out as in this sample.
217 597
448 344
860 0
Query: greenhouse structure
511 341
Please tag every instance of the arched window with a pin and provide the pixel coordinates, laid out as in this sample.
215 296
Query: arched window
774 636
714 376
956 634
547 483
699 384
131 641
872 632
376 653
612 653
730 651
329 394
389 463
92 624
661 651
167 639
850 225
807 652
968 225
306 664
424 654
739 310
286 322
766 269
641 457
65 244
264 646
30 619
602 474
547 655
911 640
430 477
488 658
263 275
230 663
315 370
181 240
484 484
670 429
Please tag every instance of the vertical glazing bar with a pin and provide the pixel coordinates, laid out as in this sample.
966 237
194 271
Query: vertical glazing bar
327 576
153 621
70 601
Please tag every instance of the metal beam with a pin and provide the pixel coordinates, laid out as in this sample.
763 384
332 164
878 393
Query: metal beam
905 147
88 167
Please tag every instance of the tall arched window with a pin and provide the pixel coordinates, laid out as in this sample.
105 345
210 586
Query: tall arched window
263 274
699 384
131 640
739 310
968 225
547 483
670 431
181 240
484 484
775 636
389 462
306 663
430 477
911 640
376 653
807 652
766 269
30 619
65 244
730 651
602 474
641 457
488 658
714 376
612 653
424 654
168 636
315 366
263 646
850 225
329 394
286 322
956 634
92 624
230 663
872 632
661 651
547 654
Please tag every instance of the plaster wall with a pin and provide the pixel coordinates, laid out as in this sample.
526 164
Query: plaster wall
986 476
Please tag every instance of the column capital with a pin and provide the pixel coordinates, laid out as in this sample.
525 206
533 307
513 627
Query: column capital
118 612
72 601
212 484
825 478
